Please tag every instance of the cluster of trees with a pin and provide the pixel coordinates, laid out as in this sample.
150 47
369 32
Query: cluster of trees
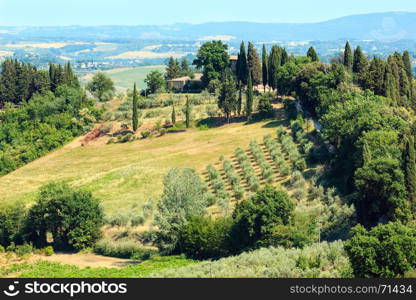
20 81
174 69
261 221
30 128
73 219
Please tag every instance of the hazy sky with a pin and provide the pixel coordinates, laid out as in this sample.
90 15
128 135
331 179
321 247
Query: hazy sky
129 12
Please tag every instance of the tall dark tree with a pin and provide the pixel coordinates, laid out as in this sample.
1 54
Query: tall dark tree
135 116
254 64
348 58
188 112
312 54
275 60
360 62
173 117
265 67
240 101
285 57
249 98
185 70
242 65
410 171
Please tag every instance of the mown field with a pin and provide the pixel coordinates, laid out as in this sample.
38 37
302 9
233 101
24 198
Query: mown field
125 175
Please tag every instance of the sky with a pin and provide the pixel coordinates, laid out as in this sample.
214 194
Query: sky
156 12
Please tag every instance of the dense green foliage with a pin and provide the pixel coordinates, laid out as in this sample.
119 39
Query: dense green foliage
322 260
20 81
203 238
47 269
42 124
213 59
184 196
73 217
255 218
155 82
101 86
385 251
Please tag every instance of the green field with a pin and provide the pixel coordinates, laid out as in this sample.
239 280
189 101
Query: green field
125 78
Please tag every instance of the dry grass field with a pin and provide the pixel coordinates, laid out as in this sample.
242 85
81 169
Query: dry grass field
122 175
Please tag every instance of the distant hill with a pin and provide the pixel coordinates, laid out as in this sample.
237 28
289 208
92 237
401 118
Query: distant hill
390 26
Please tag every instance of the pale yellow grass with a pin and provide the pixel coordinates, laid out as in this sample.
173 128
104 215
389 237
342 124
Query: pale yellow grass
125 174
146 54
37 45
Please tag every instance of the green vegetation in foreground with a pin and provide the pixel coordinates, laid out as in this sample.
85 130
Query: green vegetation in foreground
44 269
126 78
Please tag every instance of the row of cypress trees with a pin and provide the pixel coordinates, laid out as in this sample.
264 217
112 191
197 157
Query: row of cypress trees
19 81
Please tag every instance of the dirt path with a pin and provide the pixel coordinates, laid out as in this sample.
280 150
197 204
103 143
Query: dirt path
88 260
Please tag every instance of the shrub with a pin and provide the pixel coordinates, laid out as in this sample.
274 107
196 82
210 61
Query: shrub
300 164
204 238
48 251
146 133
238 192
265 107
138 221
2 250
106 128
123 249
299 193
73 216
24 249
162 131
118 220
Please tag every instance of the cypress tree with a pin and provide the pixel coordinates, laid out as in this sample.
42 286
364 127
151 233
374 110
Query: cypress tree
265 67
135 116
254 64
275 60
312 54
242 66
188 112
240 101
173 115
8 84
348 58
285 57
250 97
410 170
360 62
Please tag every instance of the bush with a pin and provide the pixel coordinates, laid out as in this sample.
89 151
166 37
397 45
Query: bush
119 220
299 193
2 250
48 251
123 249
265 107
74 217
204 238
145 133
138 221
300 164
385 251
24 249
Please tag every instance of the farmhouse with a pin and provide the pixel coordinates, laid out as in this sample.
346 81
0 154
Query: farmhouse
185 82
